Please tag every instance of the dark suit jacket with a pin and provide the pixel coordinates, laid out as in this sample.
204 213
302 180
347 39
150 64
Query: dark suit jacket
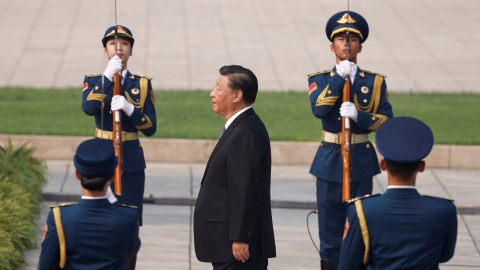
407 231
233 203
98 235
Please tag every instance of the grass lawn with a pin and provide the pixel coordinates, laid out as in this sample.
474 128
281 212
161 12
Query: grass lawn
454 118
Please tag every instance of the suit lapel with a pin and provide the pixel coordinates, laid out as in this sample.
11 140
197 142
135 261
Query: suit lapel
225 135
128 82
359 80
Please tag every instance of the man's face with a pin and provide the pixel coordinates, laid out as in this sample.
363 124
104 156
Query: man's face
223 97
339 47
124 48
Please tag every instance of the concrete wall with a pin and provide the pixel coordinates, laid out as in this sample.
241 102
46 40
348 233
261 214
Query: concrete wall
182 150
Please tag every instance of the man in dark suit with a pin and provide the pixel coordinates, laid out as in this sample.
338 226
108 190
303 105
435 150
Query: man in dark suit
400 229
93 233
233 219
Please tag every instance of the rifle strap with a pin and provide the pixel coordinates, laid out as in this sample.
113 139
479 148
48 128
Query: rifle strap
364 228
61 236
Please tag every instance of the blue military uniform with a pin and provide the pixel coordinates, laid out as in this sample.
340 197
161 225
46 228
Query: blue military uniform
369 94
96 235
406 231
93 233
97 96
400 229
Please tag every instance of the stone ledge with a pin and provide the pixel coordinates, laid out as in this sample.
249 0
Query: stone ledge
183 150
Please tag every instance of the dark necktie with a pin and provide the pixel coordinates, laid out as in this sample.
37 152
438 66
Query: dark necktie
223 130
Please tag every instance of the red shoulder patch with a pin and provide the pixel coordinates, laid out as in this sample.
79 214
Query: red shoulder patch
345 229
45 230
85 86
312 88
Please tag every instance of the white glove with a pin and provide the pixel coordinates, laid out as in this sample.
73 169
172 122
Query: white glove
120 103
114 66
344 68
111 198
349 110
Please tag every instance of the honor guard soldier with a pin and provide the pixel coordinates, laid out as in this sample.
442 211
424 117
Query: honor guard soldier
368 110
400 229
93 233
136 104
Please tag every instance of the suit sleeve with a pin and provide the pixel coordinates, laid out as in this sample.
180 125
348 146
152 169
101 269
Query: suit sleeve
353 247
145 120
451 238
325 93
135 244
244 163
50 252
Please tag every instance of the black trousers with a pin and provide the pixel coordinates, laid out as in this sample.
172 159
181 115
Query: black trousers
130 262
258 264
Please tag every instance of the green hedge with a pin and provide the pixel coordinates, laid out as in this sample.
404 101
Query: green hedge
21 182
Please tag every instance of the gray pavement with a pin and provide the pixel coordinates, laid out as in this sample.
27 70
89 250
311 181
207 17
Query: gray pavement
182 43
167 232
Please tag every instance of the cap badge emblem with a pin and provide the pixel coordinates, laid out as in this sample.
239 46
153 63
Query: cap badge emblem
346 18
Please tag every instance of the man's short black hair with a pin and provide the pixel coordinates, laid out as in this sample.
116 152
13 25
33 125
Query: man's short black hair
402 170
240 78
94 182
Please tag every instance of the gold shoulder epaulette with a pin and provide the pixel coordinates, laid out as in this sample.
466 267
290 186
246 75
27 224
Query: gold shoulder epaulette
93 75
374 73
361 198
141 76
320 72
62 205
451 200
126 205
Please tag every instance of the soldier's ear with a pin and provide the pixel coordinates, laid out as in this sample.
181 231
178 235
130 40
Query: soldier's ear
383 164
421 166
78 175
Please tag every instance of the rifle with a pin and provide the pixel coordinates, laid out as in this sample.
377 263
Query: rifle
117 123
346 135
